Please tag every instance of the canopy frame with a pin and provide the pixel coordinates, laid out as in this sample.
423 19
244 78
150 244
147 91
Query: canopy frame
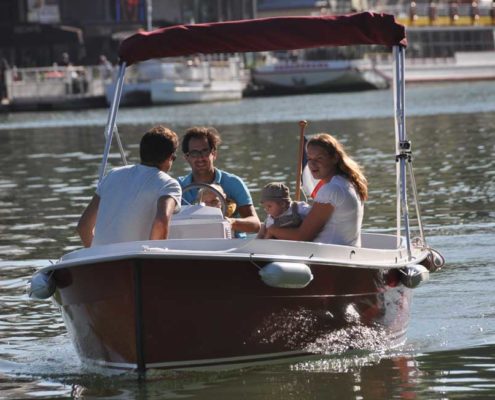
402 144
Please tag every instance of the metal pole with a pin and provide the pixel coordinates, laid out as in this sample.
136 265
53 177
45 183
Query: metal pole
149 15
119 144
396 82
402 151
112 116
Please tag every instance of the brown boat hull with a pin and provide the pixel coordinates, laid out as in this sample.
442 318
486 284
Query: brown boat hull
167 313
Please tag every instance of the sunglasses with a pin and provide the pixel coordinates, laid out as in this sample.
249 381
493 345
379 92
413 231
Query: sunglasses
199 153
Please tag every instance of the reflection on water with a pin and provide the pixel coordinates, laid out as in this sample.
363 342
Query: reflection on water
48 173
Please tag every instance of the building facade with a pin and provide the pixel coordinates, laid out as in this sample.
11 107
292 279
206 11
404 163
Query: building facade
37 32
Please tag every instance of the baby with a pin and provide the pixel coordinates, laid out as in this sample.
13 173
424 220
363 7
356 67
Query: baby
210 198
280 209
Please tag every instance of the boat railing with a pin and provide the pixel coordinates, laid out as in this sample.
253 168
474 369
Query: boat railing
431 13
386 59
56 81
186 70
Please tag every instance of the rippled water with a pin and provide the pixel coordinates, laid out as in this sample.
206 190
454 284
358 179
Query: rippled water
48 168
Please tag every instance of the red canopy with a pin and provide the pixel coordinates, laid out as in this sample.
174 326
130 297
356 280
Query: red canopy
279 33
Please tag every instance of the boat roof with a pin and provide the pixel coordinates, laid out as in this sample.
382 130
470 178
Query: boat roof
264 34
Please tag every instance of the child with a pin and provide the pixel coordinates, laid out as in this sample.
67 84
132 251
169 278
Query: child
210 198
281 210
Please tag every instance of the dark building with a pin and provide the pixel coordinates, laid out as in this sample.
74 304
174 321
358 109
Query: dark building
38 32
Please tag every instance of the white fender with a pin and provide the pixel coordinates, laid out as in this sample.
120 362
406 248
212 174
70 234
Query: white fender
42 286
413 275
286 275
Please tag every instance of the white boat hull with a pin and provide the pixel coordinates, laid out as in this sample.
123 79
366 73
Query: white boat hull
318 76
166 92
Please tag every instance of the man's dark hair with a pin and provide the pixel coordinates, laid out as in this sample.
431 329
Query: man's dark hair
158 144
199 132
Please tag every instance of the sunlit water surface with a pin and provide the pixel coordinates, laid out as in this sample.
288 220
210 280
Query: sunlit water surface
48 168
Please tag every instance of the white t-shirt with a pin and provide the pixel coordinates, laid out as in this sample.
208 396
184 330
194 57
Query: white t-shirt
128 202
344 225
303 209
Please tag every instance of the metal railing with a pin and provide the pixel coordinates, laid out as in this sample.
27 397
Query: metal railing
56 81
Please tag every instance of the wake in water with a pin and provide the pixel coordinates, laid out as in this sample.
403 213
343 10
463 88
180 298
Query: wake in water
358 337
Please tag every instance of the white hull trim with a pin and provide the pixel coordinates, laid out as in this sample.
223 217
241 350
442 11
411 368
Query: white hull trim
231 362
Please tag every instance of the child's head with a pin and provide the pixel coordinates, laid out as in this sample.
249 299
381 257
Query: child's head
275 198
209 197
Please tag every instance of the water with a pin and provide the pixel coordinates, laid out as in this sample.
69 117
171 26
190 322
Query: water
48 168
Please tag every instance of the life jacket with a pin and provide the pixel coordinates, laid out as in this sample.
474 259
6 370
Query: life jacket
289 220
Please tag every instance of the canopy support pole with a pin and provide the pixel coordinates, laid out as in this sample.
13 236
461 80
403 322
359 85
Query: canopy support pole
112 116
402 146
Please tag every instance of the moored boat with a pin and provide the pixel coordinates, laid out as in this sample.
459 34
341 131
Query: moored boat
462 66
307 76
202 299
182 81
54 88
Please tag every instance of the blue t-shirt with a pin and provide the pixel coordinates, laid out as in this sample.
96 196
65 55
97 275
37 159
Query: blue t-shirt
233 186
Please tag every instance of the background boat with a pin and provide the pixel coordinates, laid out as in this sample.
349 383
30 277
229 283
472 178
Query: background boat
308 76
57 87
182 81
463 66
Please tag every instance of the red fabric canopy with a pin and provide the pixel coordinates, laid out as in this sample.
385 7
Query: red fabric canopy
267 34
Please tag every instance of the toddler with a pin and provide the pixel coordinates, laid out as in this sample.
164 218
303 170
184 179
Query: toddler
210 198
280 209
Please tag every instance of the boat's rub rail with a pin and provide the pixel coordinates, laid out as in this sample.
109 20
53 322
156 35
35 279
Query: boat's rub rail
247 250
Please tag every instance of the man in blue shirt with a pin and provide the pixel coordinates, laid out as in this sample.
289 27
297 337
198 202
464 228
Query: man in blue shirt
199 146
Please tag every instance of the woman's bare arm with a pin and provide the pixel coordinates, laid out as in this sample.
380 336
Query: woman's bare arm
310 227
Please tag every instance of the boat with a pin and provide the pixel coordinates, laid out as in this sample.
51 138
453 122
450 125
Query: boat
55 88
307 76
461 67
203 300
183 81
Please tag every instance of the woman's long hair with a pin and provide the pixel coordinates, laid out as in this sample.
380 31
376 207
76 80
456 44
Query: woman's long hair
346 166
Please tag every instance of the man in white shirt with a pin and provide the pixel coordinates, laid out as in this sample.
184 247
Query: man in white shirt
135 202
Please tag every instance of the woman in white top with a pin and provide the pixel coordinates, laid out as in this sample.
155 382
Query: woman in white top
337 211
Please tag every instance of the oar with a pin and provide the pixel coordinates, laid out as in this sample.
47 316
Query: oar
302 126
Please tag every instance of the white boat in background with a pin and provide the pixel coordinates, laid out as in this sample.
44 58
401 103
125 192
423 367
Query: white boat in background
463 66
55 87
304 76
183 81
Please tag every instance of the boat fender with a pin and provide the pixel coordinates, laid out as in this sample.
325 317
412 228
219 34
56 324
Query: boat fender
413 275
286 275
42 286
